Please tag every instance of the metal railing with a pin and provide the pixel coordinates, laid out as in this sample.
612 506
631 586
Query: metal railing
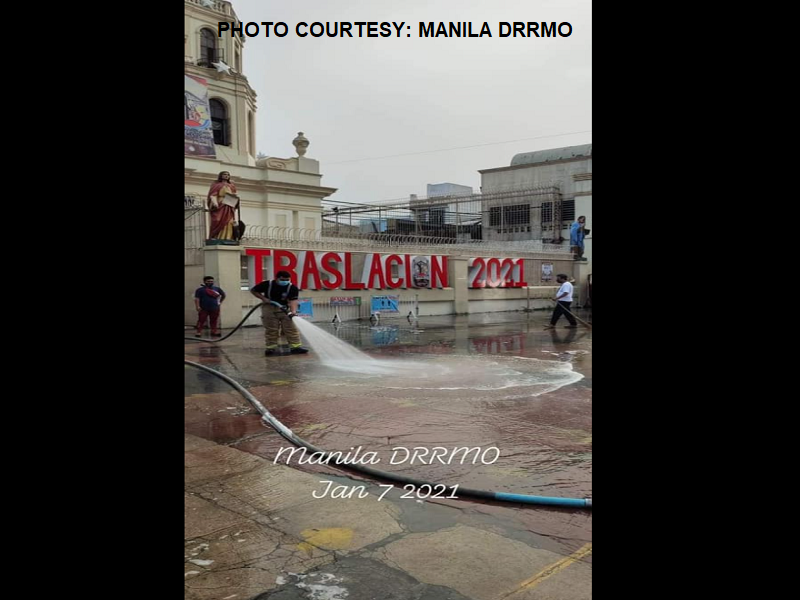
217 56
222 7
518 213
325 311
315 239
194 229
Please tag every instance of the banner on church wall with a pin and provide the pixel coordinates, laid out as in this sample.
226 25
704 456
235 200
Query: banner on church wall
198 135
337 270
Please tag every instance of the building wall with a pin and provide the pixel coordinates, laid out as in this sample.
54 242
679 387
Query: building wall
233 90
431 301
274 191
193 279
574 180
583 206
448 189
537 174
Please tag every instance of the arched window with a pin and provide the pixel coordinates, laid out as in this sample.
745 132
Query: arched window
208 48
219 122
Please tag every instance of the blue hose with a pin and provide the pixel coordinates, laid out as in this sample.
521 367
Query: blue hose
572 502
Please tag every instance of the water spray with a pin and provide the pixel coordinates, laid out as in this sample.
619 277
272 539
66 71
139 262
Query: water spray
269 419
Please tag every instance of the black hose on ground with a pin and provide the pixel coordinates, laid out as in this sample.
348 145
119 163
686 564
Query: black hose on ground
325 455
234 330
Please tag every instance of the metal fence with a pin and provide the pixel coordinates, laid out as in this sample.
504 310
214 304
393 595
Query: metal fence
403 310
314 239
510 222
524 213
194 229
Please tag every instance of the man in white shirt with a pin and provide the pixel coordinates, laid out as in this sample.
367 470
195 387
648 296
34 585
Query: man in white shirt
563 302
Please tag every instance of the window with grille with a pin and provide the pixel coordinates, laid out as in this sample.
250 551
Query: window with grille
436 216
208 48
244 274
219 122
518 214
494 216
568 210
547 212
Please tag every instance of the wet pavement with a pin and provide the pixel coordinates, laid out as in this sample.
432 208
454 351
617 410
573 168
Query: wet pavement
498 383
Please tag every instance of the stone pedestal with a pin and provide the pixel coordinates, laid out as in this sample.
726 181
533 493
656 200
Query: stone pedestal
458 280
223 263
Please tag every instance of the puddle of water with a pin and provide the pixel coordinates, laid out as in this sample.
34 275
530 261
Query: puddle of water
457 376
448 373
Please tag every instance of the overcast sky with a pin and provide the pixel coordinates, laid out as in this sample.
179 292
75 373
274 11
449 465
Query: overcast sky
365 98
